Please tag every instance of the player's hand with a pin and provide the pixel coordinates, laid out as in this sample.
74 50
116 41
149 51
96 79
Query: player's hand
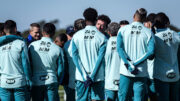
135 71
132 69
88 82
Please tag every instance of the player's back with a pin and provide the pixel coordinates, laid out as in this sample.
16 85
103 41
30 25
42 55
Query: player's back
44 56
112 65
88 42
166 48
135 38
12 73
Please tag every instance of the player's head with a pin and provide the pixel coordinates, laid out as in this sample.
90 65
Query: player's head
18 33
90 15
35 30
79 24
2 29
149 22
140 15
70 32
60 40
161 20
10 27
123 23
102 22
113 29
49 30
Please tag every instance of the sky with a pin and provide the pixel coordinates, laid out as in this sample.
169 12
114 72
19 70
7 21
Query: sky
25 12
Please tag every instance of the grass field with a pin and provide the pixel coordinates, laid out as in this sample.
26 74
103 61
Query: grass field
61 93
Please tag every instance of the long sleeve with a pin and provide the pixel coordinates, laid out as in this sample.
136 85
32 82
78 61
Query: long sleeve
120 49
61 64
150 52
101 54
26 65
75 58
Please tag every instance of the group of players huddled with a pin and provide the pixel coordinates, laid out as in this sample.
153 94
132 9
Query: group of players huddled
95 60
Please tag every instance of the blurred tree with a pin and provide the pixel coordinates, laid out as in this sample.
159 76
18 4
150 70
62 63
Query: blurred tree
174 28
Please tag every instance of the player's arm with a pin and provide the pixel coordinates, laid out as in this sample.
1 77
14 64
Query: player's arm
26 65
150 52
9 38
75 58
120 49
101 54
61 63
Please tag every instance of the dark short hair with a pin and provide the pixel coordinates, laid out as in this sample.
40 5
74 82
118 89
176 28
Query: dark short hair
35 25
1 27
113 28
9 26
62 37
141 14
18 33
90 14
161 20
151 17
104 18
123 22
49 29
79 24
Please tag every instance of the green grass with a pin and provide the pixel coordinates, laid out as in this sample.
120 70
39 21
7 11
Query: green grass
61 95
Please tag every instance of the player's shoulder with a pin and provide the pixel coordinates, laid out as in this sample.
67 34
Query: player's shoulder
34 43
54 46
19 42
124 28
78 33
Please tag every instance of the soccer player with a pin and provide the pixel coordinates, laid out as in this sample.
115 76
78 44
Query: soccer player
15 68
70 88
123 23
88 49
6 39
69 65
60 40
166 70
112 64
102 24
47 65
149 23
134 44
34 33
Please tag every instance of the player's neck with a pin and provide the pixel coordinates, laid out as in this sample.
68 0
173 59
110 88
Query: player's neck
47 35
10 34
89 23
137 20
